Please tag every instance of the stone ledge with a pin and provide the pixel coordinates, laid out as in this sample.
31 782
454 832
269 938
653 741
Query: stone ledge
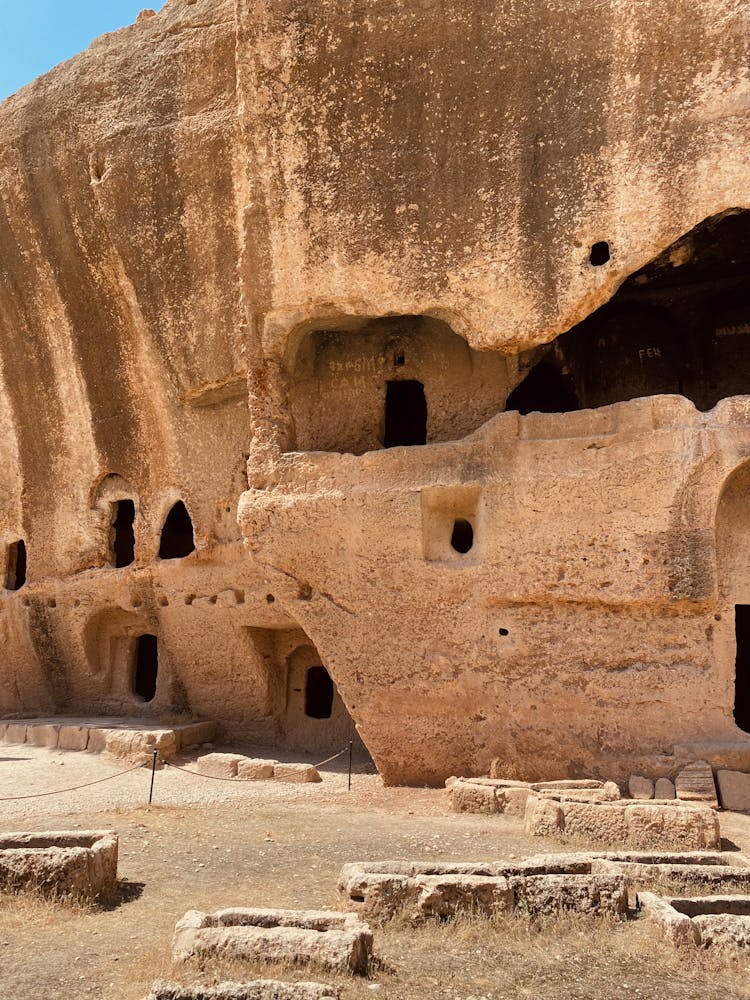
133 740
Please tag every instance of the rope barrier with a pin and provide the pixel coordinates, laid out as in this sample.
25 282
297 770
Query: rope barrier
75 788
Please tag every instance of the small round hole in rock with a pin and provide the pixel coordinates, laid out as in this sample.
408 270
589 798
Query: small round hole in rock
462 538
503 632
600 254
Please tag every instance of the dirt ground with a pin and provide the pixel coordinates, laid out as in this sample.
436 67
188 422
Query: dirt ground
205 845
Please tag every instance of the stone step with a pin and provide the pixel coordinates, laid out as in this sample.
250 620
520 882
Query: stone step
126 739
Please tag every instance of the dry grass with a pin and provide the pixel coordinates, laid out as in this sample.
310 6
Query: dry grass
278 854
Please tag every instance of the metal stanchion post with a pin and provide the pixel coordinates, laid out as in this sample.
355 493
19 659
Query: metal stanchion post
351 744
153 775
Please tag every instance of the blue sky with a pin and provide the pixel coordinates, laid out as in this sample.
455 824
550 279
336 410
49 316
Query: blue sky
36 35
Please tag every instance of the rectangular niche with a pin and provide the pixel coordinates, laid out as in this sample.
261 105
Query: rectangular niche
451 524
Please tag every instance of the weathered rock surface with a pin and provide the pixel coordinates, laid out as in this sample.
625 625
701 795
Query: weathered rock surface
260 989
695 783
664 789
336 941
80 863
640 787
701 920
734 790
639 825
423 890
225 234
497 795
125 739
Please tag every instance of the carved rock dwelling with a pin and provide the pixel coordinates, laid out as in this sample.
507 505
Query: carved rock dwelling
388 364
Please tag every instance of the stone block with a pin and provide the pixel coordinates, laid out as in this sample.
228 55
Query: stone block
468 796
701 920
595 895
80 863
251 769
98 740
137 745
695 783
340 942
259 989
296 773
73 738
664 789
16 732
424 890
642 825
194 734
42 735
219 765
676 927
640 787
734 790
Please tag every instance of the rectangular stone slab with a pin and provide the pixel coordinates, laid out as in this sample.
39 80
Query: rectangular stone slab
259 989
337 941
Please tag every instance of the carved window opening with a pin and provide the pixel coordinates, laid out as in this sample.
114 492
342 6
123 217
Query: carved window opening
405 414
15 576
742 667
318 693
177 539
600 254
462 539
123 533
146 667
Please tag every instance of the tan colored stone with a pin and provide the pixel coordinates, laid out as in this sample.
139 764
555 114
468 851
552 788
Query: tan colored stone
219 765
251 769
695 783
16 732
296 773
734 790
60 863
664 789
337 941
73 738
640 787
260 343
260 989
42 735
635 824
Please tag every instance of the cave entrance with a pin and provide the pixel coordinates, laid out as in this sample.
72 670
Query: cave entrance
123 533
405 414
146 667
177 539
15 576
742 667
319 693
679 325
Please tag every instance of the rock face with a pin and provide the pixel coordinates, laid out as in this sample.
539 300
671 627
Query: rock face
277 282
